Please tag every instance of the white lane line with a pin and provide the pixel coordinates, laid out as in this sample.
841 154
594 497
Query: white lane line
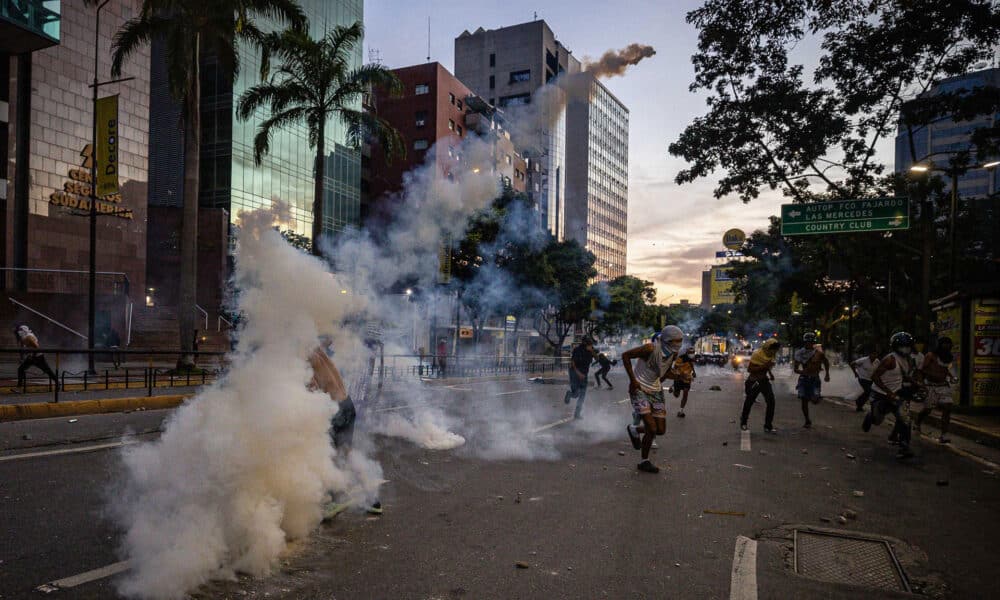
745 440
82 578
512 393
92 448
624 400
743 583
553 424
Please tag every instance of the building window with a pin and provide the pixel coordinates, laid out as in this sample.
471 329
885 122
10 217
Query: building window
493 60
459 105
493 101
459 130
508 159
515 100
420 144
451 125
519 76
451 98
493 81
421 118
421 89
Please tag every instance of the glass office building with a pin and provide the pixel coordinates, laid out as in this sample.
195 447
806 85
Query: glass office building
229 178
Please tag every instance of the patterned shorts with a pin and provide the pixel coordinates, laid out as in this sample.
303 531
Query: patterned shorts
646 403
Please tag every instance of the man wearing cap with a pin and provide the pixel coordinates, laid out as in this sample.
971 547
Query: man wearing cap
654 364
580 361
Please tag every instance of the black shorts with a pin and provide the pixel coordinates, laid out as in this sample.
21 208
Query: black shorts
682 385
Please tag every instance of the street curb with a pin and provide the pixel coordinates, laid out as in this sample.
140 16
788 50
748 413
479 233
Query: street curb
47 410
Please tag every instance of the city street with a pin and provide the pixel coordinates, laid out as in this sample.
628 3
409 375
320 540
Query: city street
536 505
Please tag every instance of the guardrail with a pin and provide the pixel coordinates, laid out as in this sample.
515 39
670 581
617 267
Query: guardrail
396 366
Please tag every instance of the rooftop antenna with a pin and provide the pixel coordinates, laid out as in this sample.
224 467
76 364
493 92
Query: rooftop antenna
428 38
375 56
536 15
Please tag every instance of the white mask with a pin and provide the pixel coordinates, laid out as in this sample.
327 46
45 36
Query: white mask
905 350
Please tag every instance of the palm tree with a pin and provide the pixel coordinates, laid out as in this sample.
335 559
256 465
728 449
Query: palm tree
315 83
190 28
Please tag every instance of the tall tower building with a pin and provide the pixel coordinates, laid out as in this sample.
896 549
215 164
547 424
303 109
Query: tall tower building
507 66
597 173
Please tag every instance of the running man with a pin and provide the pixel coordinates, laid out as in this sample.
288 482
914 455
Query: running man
808 361
684 369
759 378
579 365
654 365
26 339
937 374
605 363
891 392
863 369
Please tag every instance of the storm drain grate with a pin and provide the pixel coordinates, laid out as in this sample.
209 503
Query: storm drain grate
838 558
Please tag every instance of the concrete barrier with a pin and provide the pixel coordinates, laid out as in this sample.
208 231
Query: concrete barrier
47 410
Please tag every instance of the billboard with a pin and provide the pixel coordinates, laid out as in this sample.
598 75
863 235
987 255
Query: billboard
721 286
107 146
985 365
949 324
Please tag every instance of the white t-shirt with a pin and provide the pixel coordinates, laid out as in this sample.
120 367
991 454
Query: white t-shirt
865 366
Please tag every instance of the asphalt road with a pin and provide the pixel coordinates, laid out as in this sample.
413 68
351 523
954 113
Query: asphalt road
563 498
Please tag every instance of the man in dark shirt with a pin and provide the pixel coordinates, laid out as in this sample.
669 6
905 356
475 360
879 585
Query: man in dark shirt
605 362
580 361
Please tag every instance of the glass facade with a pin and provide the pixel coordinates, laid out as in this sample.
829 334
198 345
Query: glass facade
607 182
40 17
229 177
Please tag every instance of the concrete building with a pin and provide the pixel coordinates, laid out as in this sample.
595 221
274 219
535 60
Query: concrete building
46 65
935 142
597 173
435 114
230 181
506 66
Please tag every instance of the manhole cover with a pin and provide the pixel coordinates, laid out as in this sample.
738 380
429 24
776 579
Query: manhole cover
848 559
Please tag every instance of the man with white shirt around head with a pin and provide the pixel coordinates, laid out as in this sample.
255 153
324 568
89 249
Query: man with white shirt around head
26 339
654 364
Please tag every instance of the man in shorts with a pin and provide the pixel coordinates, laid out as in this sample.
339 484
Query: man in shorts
684 369
808 361
937 373
654 362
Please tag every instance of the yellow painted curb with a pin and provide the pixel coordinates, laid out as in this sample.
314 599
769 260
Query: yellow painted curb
47 410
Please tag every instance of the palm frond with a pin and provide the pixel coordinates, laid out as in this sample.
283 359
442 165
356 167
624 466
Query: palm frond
133 35
262 141
276 96
363 126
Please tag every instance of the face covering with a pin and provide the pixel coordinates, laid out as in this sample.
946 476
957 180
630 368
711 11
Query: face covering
905 350
673 346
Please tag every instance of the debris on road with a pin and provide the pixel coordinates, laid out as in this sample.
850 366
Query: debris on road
850 514
715 388
942 482
859 494
500 498
842 520
739 466
26 436
72 420
825 519
729 513
805 451
517 500
763 452
725 443
621 453
521 564
537 498
851 456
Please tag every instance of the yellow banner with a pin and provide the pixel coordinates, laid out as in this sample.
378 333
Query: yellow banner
722 291
107 146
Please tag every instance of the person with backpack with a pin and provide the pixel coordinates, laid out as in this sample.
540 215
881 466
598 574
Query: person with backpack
892 391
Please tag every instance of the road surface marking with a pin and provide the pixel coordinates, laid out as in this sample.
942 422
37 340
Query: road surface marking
745 440
92 448
553 424
743 583
512 393
457 389
623 400
82 578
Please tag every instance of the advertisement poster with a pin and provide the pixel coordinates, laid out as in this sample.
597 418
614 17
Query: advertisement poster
949 324
722 291
107 146
986 352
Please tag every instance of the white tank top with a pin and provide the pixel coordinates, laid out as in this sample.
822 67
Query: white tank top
893 378
649 371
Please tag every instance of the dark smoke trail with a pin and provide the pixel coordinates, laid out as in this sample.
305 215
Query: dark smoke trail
615 62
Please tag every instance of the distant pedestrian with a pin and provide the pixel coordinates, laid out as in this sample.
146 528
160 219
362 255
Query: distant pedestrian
422 354
27 341
685 375
937 372
863 369
605 362
892 391
579 365
442 356
654 365
808 361
759 378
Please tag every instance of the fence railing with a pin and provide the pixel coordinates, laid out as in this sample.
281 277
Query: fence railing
396 366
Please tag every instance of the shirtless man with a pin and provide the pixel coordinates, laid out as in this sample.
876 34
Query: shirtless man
654 365
808 361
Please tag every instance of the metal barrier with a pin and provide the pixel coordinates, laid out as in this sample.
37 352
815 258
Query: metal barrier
128 369
398 366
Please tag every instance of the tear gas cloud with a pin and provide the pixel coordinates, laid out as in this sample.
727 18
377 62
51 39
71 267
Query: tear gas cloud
615 62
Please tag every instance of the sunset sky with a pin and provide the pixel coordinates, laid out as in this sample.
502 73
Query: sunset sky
674 231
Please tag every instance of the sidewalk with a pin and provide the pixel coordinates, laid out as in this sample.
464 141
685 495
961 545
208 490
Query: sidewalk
982 429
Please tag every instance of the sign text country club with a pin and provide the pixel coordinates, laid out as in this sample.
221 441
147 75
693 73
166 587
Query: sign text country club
845 216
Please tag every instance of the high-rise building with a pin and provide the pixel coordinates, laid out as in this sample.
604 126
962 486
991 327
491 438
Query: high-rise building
506 66
944 137
434 115
229 179
597 173
46 66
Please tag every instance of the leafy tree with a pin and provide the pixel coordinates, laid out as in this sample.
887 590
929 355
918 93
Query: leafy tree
314 84
621 303
572 267
189 28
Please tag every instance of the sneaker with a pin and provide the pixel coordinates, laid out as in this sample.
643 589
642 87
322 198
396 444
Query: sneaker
807 425
578 417
375 508
633 436
609 387
770 430
744 427
944 440
648 467
655 446
566 398
903 453
680 414
866 425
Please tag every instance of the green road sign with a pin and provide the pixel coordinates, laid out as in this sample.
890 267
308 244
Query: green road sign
845 216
